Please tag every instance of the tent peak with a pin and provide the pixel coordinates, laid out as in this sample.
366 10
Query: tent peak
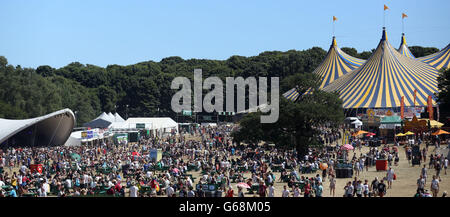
384 36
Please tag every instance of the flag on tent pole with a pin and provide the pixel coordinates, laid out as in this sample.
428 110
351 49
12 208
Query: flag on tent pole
334 18
402 108
430 107
386 7
404 16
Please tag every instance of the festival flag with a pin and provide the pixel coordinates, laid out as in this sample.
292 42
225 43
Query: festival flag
334 18
430 107
402 108
386 7
404 15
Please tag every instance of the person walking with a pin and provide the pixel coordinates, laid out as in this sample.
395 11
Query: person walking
285 192
348 189
437 167
421 184
435 186
424 172
390 177
332 185
366 188
381 188
445 165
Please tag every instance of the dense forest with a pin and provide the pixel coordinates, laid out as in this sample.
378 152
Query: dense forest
141 89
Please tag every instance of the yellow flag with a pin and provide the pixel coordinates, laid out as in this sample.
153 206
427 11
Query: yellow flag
334 18
385 7
404 15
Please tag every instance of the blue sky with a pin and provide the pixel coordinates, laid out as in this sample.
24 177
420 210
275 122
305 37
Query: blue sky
103 32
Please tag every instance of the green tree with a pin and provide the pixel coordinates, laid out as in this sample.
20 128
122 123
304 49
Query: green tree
444 94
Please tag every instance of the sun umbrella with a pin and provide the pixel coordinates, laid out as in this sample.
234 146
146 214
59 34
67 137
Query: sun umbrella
243 185
409 133
360 132
347 147
370 134
75 156
400 134
440 132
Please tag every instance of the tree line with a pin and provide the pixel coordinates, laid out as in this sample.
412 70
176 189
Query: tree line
141 89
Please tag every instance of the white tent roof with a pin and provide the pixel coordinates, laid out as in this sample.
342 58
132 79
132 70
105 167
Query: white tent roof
357 122
118 118
111 116
105 117
55 127
153 123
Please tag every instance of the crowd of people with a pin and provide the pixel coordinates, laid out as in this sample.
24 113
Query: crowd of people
128 169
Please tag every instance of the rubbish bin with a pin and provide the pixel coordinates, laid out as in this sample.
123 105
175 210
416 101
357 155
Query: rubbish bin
382 165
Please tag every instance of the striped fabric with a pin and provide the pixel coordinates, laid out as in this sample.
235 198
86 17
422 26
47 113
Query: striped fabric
403 49
336 64
292 94
438 60
384 79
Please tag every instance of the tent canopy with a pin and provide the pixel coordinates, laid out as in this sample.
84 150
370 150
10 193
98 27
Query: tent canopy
98 123
336 64
384 78
438 60
403 49
433 123
440 132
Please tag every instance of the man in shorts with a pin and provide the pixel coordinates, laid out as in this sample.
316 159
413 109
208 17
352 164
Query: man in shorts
435 186
374 186
421 184
381 188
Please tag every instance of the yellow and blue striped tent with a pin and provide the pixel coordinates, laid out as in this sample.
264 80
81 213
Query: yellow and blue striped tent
384 78
292 94
336 64
438 60
403 49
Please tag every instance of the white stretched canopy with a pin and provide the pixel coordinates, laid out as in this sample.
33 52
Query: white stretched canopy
47 130
111 116
118 118
153 123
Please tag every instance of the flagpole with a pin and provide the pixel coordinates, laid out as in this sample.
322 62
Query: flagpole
403 26
333 29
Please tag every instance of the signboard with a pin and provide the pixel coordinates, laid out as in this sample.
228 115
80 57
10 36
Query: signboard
140 126
87 134
90 134
155 154
186 113
409 112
